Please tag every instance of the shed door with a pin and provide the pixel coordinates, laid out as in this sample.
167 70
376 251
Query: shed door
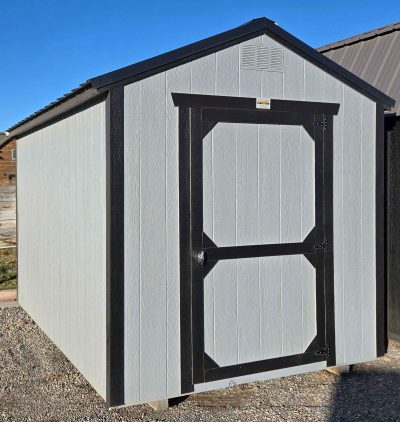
256 236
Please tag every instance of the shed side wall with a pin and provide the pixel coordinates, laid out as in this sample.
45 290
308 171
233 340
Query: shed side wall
152 338
61 237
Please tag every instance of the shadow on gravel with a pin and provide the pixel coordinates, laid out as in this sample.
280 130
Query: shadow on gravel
367 396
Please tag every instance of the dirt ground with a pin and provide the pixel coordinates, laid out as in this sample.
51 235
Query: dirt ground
37 383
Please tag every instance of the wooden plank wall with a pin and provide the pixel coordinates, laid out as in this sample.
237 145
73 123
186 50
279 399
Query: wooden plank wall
152 358
61 237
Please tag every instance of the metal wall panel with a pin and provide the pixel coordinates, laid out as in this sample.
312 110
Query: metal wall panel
152 210
61 237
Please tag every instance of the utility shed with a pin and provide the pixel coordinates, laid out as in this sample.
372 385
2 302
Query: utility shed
207 217
375 57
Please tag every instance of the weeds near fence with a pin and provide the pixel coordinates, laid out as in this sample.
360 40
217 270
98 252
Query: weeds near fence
8 268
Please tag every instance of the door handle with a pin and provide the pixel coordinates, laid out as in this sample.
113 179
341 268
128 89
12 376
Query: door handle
201 258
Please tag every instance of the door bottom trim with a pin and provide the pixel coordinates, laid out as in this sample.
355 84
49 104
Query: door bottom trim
215 374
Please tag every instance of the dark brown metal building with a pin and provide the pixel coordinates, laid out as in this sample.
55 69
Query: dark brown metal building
375 57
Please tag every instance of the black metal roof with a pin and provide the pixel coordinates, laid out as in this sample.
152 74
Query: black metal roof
373 56
160 63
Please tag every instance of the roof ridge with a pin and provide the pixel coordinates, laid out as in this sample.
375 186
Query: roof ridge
376 32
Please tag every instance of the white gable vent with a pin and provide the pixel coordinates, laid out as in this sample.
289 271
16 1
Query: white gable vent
259 57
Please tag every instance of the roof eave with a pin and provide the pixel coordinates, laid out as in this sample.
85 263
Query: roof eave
54 110
354 39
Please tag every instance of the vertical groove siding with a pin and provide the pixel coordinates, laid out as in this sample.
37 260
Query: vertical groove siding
61 237
152 342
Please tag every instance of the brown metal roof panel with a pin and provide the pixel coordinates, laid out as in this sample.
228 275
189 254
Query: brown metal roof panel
373 56
352 57
363 51
390 69
336 55
377 59
384 58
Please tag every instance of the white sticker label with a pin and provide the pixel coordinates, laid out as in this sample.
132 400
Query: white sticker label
263 103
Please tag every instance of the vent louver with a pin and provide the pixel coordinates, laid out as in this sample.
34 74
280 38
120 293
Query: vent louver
259 57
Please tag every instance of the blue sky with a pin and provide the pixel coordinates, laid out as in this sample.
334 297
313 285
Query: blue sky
48 47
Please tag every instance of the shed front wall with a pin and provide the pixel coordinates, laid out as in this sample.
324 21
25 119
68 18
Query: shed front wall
152 337
61 237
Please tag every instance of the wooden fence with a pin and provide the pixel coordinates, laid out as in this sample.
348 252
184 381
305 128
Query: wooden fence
7 216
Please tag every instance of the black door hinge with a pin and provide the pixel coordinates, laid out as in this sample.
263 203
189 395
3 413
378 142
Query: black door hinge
323 124
323 245
324 351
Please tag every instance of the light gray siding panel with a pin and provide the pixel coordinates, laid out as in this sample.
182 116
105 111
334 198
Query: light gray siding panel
291 198
222 282
271 307
352 265
272 82
225 329
132 241
250 81
313 82
210 295
203 76
333 92
203 81
309 321
177 80
153 300
293 78
248 317
269 163
219 196
61 237
227 72
368 240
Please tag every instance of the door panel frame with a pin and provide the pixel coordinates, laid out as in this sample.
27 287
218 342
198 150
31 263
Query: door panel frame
198 114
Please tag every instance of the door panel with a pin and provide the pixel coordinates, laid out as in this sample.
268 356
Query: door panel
262 308
258 184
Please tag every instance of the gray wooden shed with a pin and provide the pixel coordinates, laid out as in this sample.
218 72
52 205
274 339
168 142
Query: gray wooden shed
207 217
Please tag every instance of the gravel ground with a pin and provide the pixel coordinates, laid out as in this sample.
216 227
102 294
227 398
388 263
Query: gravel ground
37 383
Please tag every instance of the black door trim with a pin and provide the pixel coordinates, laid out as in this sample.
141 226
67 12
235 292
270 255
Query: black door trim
252 251
194 116
249 368
246 103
